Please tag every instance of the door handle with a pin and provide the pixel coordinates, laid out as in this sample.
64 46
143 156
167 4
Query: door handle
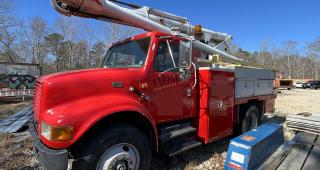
189 92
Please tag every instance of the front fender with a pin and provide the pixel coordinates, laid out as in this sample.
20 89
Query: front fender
84 113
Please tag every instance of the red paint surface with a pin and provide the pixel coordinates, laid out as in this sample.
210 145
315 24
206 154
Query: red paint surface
216 104
82 98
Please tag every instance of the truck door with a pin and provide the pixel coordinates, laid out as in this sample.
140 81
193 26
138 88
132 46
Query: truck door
173 94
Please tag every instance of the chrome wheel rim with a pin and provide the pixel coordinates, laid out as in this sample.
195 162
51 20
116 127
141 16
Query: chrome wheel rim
119 157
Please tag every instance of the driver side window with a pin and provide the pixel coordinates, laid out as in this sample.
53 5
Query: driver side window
163 61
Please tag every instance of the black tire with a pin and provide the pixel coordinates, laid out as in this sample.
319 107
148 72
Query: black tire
88 156
249 119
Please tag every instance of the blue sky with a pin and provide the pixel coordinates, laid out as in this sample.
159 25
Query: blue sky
249 21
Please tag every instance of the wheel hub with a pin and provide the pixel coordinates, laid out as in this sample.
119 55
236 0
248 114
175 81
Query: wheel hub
121 165
119 157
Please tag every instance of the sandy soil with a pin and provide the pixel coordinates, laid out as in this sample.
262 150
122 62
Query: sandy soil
16 151
297 101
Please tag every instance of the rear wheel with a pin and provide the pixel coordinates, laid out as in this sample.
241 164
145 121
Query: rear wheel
249 119
120 147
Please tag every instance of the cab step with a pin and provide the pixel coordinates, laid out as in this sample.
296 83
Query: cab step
172 149
177 138
175 132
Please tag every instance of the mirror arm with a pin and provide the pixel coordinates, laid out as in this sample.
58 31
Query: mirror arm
195 75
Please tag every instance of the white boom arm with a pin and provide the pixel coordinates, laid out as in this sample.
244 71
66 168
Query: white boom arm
146 18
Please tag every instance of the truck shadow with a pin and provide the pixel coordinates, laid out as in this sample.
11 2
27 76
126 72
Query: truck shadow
273 118
210 156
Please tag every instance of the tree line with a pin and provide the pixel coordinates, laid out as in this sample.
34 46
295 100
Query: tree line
289 59
72 43
69 44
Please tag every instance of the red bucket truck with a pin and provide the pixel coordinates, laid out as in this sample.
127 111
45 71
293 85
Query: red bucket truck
155 92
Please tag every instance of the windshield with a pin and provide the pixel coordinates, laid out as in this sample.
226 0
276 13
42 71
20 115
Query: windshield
130 54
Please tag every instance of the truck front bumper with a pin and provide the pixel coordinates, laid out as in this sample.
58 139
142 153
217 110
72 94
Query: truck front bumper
51 159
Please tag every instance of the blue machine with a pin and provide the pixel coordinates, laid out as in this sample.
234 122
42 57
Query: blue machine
249 150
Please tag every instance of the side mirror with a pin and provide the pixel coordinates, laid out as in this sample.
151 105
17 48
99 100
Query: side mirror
184 73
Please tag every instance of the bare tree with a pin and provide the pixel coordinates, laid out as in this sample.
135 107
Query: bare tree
6 7
288 52
55 45
38 33
77 35
8 39
313 49
111 33
97 52
266 55
66 27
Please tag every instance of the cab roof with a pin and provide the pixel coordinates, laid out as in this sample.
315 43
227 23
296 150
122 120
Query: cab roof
143 35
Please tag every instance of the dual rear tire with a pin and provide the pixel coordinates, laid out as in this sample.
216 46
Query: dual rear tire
249 119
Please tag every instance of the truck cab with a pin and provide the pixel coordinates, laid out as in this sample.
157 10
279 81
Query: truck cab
151 94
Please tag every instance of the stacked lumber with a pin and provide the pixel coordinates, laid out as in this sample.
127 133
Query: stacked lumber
304 122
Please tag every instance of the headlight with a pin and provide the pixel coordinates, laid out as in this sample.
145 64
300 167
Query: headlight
56 133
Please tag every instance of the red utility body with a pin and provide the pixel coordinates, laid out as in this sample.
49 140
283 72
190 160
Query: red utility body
216 114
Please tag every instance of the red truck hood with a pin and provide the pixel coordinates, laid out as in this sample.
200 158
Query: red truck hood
56 89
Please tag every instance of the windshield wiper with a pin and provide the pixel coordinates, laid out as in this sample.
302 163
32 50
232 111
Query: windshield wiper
124 64
108 65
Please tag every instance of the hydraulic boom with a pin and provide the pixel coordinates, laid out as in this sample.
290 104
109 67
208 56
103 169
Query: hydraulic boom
148 19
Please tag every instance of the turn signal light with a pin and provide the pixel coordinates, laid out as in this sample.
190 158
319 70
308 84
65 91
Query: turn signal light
62 133
55 133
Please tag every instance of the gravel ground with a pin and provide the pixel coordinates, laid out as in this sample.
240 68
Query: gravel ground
16 152
16 149
211 156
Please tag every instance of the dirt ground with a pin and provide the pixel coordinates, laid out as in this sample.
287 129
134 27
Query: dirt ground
9 108
16 149
297 101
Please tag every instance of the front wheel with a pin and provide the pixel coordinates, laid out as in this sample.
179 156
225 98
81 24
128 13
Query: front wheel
120 147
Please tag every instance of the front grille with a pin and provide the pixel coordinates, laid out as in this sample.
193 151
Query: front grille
36 99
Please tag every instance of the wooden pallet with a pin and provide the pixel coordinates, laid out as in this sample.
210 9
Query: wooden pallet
301 153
